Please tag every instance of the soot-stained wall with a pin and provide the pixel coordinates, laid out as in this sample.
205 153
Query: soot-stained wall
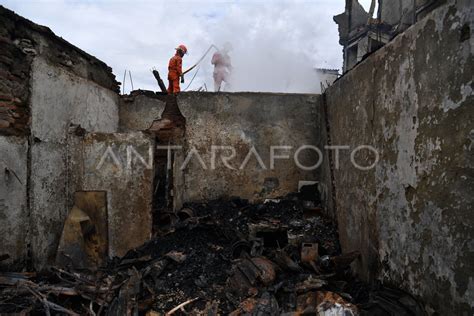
237 125
250 124
412 216
48 87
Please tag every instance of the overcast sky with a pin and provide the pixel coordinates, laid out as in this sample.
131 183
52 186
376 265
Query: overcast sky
275 43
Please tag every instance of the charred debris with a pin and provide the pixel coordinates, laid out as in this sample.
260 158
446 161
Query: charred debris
221 257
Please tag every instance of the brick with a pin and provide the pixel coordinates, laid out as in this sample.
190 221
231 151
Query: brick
20 110
8 118
8 105
17 101
4 40
14 78
5 97
4 124
4 74
19 125
6 60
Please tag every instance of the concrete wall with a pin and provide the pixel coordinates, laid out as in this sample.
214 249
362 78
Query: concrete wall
59 98
394 12
48 200
411 216
46 84
326 185
95 162
122 165
243 121
31 40
20 42
53 93
13 200
138 112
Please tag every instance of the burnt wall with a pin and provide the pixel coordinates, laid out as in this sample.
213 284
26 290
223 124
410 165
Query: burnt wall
62 104
21 41
121 164
48 89
411 216
223 141
137 112
242 126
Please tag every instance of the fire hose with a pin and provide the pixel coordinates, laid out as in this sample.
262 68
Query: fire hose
201 59
192 79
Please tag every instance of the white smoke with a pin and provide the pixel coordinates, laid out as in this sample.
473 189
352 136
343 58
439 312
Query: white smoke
277 44
256 69
276 47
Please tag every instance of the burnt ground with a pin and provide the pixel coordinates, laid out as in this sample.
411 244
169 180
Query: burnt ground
229 255
208 246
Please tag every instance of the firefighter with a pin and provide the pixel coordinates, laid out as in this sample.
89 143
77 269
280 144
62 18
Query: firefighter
175 69
222 67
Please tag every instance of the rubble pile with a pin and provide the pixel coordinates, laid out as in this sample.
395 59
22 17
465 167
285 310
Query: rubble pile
216 258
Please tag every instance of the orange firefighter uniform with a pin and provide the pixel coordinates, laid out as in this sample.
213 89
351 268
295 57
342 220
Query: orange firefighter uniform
175 69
